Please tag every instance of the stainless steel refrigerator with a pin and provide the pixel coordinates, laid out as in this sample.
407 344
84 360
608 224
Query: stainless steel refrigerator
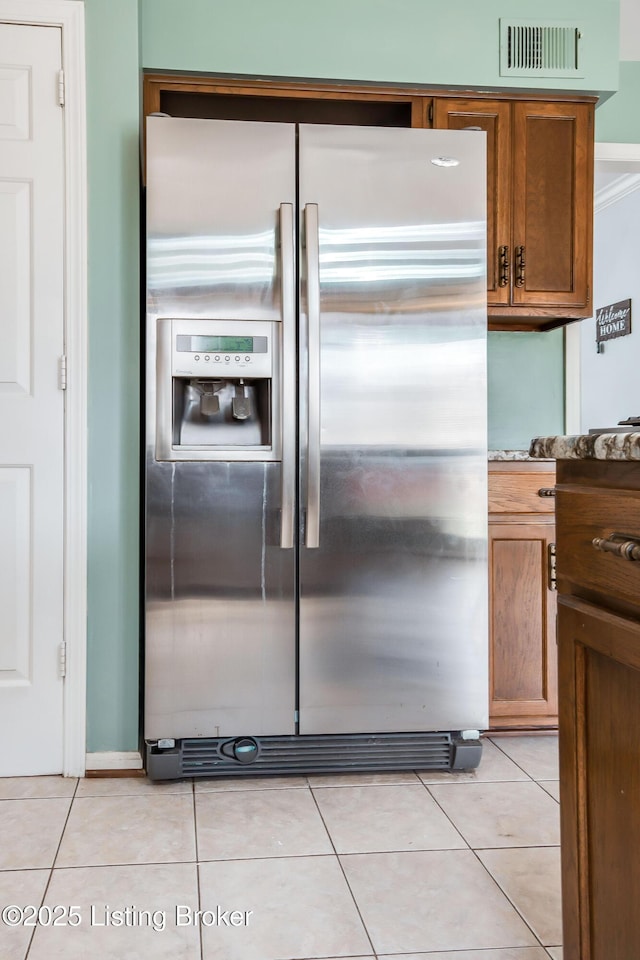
316 509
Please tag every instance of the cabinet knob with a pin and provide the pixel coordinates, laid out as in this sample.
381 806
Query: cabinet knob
620 545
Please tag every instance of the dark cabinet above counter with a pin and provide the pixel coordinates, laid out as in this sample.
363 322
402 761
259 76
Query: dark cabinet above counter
539 171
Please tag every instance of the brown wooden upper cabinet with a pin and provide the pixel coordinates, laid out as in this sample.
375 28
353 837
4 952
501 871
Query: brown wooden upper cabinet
540 206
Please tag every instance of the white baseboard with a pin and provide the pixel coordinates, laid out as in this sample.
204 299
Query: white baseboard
112 760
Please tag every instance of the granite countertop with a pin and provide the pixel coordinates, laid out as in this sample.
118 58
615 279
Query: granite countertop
508 455
596 446
513 455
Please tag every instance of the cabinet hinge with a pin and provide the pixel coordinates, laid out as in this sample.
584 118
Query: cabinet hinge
62 659
588 294
62 372
61 87
551 566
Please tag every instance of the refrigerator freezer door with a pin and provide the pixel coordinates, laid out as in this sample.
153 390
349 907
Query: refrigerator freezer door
220 606
393 608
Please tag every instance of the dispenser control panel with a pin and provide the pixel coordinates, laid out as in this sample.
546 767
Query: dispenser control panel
218 392
222 348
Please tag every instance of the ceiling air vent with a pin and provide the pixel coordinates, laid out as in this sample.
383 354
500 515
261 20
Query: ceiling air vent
535 49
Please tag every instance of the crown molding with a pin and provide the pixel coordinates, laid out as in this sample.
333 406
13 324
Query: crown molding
621 187
620 158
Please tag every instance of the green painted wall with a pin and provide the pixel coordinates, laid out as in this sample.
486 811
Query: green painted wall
400 41
415 41
526 387
114 373
618 120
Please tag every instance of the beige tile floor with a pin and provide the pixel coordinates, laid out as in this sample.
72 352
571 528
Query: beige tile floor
409 866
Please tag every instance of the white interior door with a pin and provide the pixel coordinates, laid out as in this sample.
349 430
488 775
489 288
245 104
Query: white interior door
31 402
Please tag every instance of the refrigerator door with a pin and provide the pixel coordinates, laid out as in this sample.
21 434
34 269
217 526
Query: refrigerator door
393 577
220 608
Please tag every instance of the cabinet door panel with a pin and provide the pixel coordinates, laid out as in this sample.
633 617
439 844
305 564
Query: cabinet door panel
494 117
522 625
599 781
552 208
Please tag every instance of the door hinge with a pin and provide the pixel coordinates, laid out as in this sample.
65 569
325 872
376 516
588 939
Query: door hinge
61 87
62 372
551 566
62 659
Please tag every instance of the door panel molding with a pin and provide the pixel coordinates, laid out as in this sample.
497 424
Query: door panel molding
68 15
16 347
15 575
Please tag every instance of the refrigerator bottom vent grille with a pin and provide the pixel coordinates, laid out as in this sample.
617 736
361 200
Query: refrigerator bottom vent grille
322 754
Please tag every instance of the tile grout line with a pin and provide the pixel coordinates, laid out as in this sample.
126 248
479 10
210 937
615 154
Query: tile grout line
346 879
53 863
322 786
195 829
170 863
540 782
240 789
444 812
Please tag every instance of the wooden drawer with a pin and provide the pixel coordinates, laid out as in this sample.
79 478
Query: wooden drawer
585 513
517 492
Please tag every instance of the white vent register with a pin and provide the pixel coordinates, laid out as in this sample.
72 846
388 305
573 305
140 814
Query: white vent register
531 48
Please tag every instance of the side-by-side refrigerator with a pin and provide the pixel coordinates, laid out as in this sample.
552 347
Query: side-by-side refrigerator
316 509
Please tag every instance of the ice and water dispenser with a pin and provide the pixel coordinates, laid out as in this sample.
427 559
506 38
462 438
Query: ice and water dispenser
217 396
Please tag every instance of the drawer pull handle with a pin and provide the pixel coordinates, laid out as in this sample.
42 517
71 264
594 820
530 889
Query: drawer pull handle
619 546
547 492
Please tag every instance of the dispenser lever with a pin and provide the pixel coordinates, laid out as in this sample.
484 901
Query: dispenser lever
209 400
241 404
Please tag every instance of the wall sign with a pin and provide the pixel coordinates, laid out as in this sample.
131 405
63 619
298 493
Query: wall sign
613 321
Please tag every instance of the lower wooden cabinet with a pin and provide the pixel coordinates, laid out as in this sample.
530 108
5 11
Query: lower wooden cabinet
600 781
599 688
522 603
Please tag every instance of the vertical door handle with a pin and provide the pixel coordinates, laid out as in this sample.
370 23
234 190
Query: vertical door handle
520 266
503 257
164 384
312 247
288 377
552 576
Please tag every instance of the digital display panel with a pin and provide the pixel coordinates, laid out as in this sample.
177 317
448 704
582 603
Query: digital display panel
187 344
211 344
